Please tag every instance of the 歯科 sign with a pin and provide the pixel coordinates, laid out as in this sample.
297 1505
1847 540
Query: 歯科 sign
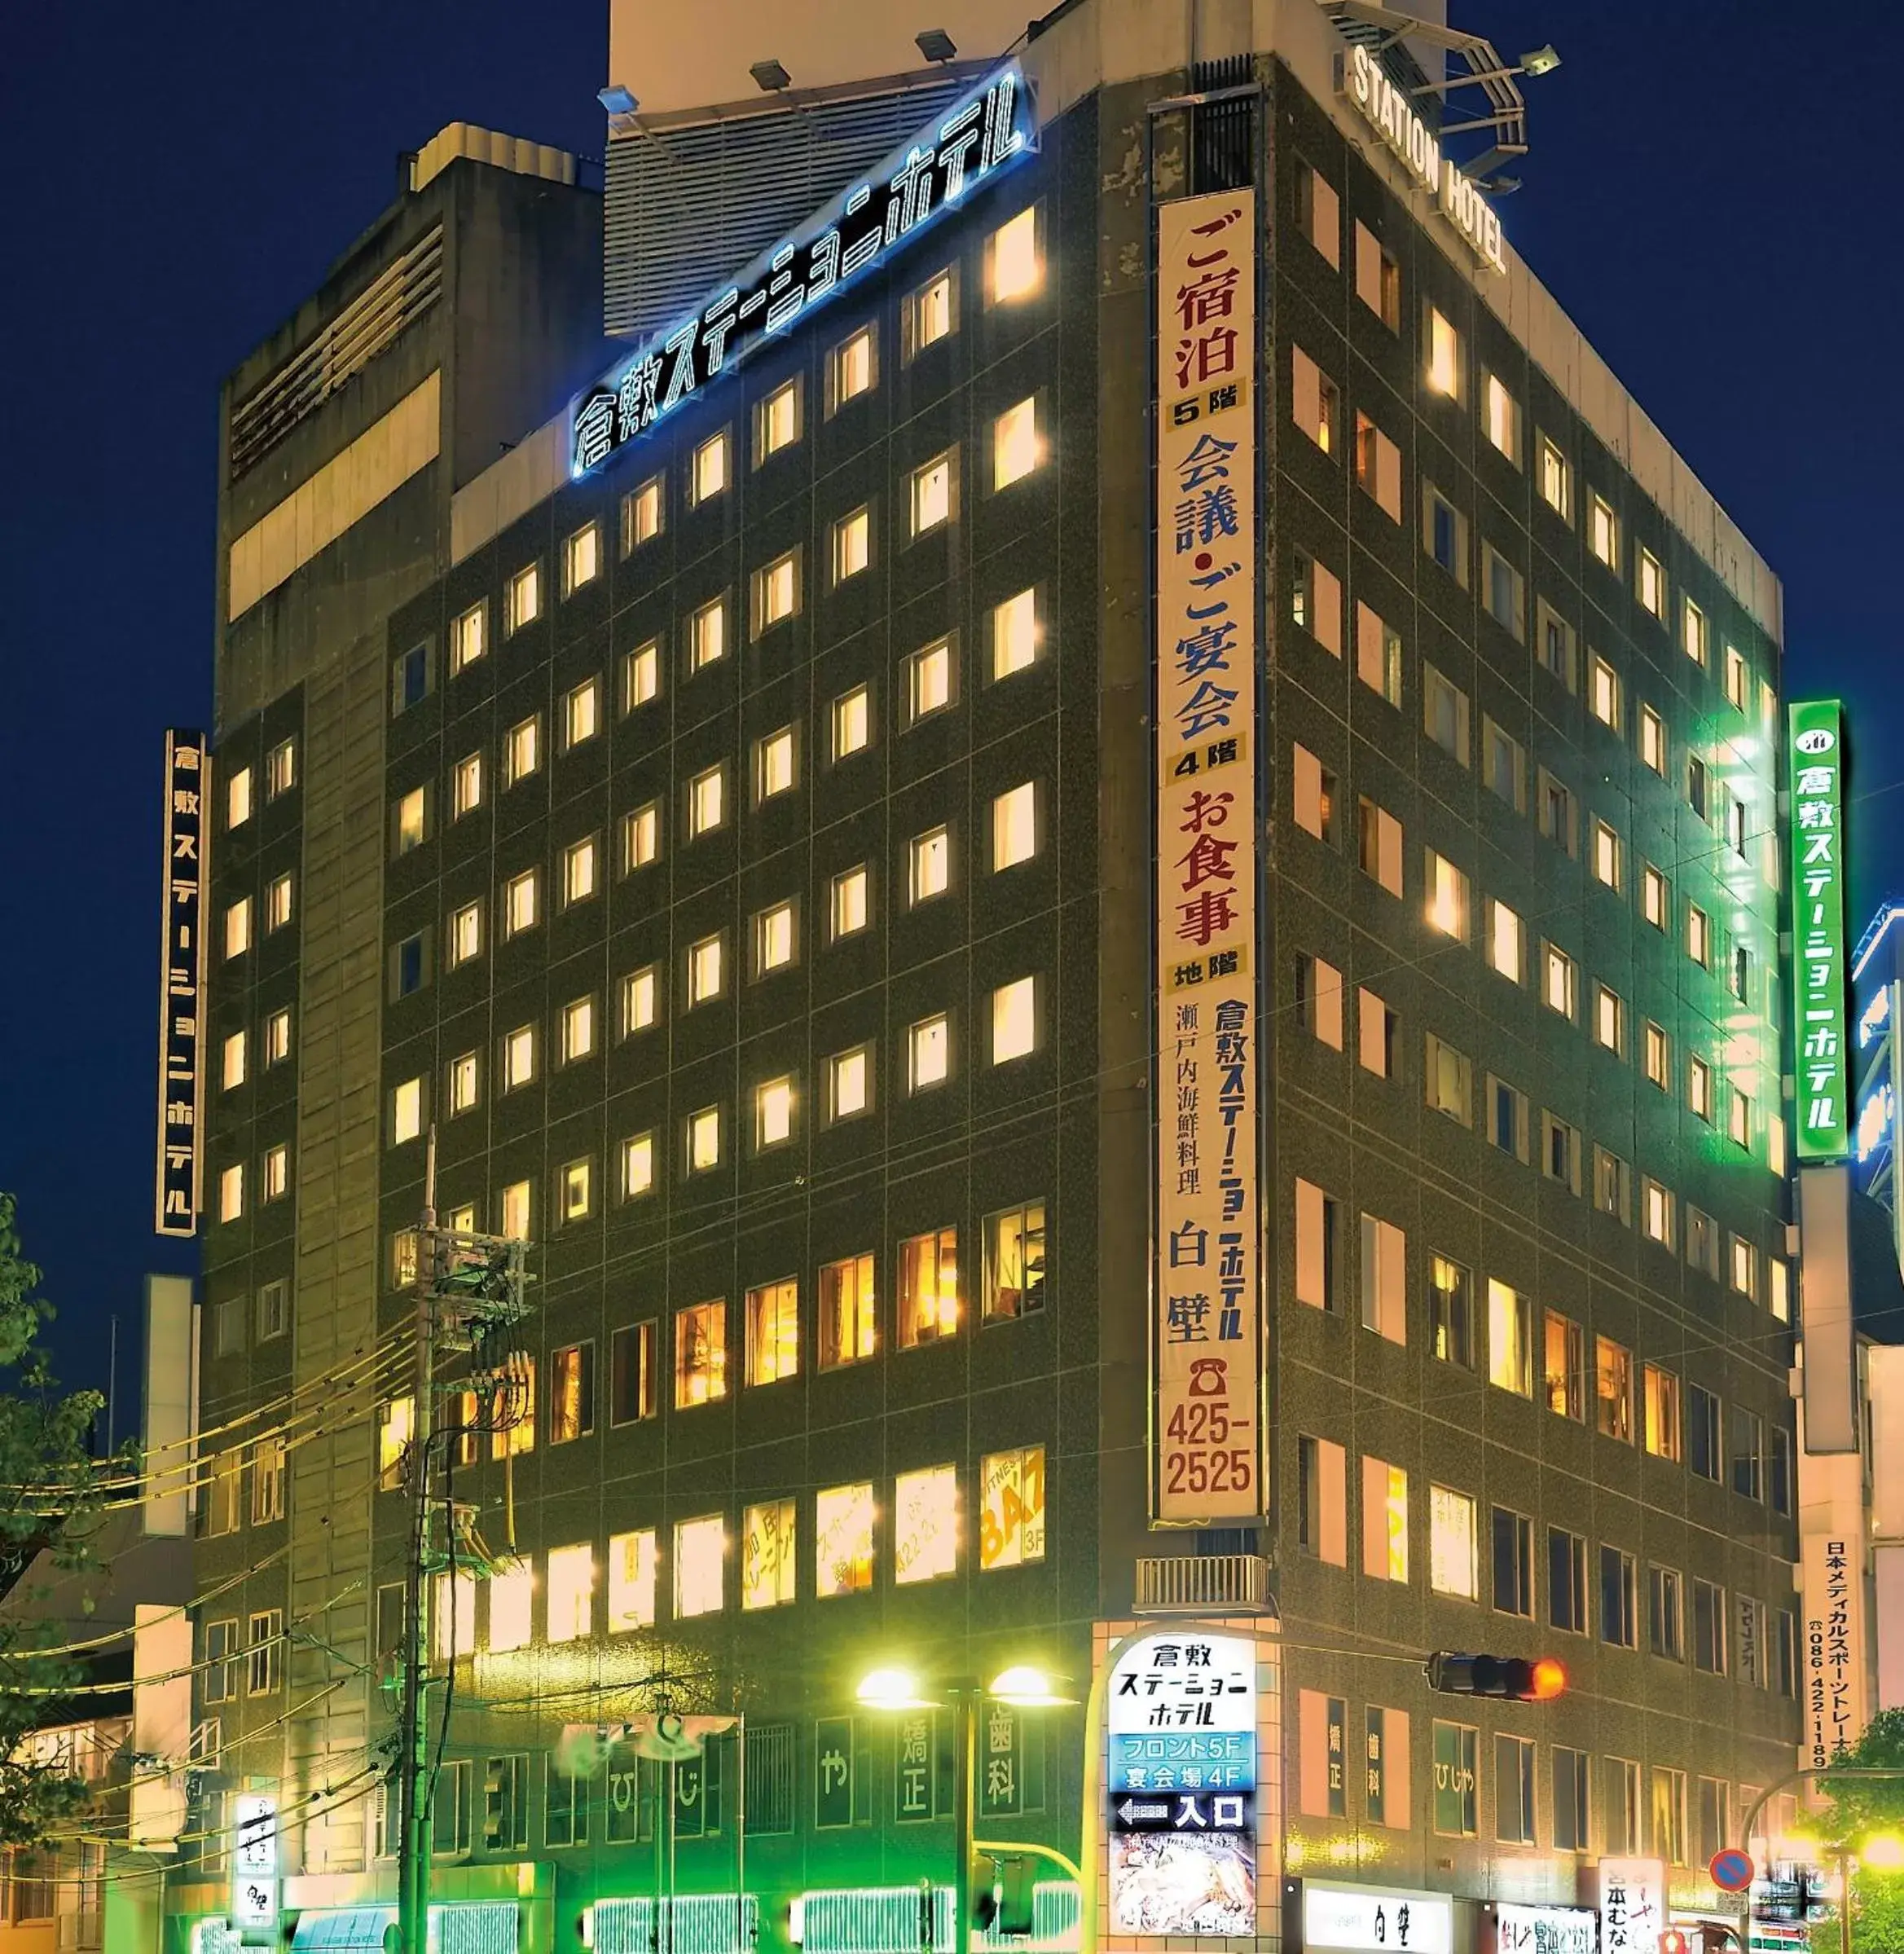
1819 974
1207 1447
185 890
943 164
1182 1786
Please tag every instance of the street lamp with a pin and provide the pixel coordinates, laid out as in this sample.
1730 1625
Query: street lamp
1024 1686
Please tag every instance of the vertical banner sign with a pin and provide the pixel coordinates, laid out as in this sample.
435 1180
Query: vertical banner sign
1818 973
1207 1445
1182 1786
1633 1905
182 983
832 1773
1831 1660
254 1862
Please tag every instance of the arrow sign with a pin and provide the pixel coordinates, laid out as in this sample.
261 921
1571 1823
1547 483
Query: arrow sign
1132 1813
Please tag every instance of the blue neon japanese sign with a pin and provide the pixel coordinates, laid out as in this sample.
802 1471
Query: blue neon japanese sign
913 187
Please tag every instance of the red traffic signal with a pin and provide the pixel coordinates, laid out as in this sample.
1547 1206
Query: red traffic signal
1673 1941
1513 1678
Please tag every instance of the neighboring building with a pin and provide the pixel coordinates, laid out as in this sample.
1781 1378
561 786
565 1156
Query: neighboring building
738 848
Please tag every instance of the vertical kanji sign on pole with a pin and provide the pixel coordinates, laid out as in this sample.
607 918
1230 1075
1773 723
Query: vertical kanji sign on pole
1818 973
1207 1447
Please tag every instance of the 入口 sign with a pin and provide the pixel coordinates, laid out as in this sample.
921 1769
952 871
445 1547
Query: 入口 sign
1389 112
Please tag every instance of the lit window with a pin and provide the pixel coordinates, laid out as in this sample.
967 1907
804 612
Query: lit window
278 1036
1652 584
1446 893
467 795
1384 1521
928 680
701 1354
701 1553
706 800
1609 1018
1510 1340
843 1517
1613 1388
852 544
1652 740
710 467
1556 484
280 769
1014 265
847 1312
773 1332
1744 1267
1699 935
930 494
641 837
1606 855
519 902
578 1029
578 870
1739 1117
1013 1277
1660 1420
640 999
850 902
930 313
707 635
705 973
637 1173
1016 449
514 1211
1560 980
238 927
452 1613
773 938
642 511
1653 898
704 1140
1656 1212
571 1595
632 1581
232 1193
641 675
930 870
1011 1524
852 722
1737 680
468 638
1315 400
1699 1087
1444 356
405 1111
852 367
1694 637
1319 212
410 820
1378 467
519 1057
849 1083
773 1113
463 1089
928 1049
238 798
277 1174
231 1071
773 764
465 933
1501 418
776 420
925 1524
767 1549
776 592
522 600
1604 693
1014 826
1453 1561
521 751
1014 1018
581 558
577 1185
928 1287
1505 938
1603 532
581 713
1014 634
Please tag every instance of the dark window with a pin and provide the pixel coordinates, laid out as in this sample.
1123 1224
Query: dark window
1513 1563
1702 1434
1748 1453
410 679
770 1766
1444 536
1619 1610
1779 1471
1696 784
409 967
632 1365
1450 1311
1570 1800
1566 1581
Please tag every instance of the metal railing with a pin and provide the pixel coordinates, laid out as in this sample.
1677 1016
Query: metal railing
1233 1584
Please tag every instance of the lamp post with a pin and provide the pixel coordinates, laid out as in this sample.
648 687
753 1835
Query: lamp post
1022 1687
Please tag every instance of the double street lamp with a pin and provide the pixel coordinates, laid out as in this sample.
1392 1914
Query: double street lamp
1022 1687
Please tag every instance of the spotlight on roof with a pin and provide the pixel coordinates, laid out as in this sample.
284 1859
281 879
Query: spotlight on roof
770 76
1542 61
618 100
936 44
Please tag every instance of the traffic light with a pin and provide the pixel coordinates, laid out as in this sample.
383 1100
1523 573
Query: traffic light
1673 1941
1517 1678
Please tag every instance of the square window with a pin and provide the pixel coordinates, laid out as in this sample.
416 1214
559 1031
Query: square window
849 903
852 722
637 1166
1014 826
930 313
706 801
928 1046
925 1506
704 972
929 680
576 1193
1014 634
852 368
773 764
776 420
1015 265
773 1113
929 493
1014 1019
704 1140
852 544
522 600
773 939
641 675
581 558
928 865
1016 449
701 1551
710 467
849 1083
707 635
468 638
642 511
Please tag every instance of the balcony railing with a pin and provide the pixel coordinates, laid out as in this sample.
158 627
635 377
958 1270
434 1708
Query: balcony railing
1214 1584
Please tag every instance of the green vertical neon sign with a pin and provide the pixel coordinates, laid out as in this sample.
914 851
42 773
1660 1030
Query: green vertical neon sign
1816 729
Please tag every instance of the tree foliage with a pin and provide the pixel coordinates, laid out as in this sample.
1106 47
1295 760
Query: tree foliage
1860 1805
50 1501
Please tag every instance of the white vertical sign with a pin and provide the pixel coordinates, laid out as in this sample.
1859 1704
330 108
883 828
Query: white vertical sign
1207 1277
254 1861
1633 1905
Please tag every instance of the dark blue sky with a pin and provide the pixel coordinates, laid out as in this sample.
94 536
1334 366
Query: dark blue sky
1708 196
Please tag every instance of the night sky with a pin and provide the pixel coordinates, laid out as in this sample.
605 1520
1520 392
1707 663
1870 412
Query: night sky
1707 196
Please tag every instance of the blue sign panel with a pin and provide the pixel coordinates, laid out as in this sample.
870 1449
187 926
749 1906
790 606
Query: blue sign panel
914 186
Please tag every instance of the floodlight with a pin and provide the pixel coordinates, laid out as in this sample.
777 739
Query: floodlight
770 76
936 44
